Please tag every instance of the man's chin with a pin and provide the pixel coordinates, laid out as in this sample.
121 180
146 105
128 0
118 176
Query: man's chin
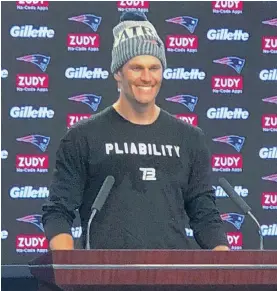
145 101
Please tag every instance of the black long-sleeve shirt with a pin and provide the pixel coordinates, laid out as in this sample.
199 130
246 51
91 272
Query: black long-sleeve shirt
161 171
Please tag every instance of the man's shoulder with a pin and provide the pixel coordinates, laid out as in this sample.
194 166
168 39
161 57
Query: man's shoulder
93 120
84 126
184 127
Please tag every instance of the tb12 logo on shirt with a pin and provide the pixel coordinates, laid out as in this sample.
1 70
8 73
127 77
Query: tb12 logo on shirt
148 174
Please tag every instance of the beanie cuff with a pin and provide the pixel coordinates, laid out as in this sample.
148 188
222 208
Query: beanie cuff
136 47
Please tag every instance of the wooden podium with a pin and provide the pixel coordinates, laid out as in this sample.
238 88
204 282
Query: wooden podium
135 270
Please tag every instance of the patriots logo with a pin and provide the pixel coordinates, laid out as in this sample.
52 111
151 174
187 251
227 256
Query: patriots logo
33 219
233 218
272 22
233 140
272 178
40 141
41 61
188 100
233 62
89 19
188 22
91 100
272 99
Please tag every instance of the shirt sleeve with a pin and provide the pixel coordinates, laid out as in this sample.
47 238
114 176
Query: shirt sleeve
200 205
67 185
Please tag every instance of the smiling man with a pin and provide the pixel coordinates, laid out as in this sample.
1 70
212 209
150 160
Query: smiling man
161 165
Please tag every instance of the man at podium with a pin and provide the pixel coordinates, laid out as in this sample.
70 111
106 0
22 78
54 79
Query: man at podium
160 164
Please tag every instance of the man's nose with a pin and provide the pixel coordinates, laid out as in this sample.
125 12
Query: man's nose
145 75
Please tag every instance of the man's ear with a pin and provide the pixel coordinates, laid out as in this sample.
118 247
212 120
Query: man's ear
117 76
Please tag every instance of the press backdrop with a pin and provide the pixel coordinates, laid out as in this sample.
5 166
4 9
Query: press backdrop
221 76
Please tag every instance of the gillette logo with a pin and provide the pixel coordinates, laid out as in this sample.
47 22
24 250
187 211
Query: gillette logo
188 118
227 7
85 73
220 193
227 85
227 163
28 31
269 122
226 113
181 43
74 118
32 163
83 42
142 6
226 34
268 153
29 192
32 82
188 101
184 74
269 44
269 200
30 112
269 230
233 140
32 5
268 75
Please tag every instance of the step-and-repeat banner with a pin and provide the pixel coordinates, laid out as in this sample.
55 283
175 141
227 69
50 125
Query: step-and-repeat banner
221 76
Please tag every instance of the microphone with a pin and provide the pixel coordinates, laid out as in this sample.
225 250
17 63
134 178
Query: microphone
241 204
98 203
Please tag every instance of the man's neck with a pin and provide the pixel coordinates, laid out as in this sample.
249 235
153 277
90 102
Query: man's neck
137 113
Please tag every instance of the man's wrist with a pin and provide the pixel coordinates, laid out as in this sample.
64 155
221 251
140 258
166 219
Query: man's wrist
221 248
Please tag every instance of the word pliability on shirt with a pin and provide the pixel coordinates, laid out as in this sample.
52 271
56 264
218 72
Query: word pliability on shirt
142 149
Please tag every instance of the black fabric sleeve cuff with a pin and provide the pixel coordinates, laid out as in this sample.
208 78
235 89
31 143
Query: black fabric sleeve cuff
56 225
211 237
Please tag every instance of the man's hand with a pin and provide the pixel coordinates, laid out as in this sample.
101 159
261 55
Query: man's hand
63 241
221 248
